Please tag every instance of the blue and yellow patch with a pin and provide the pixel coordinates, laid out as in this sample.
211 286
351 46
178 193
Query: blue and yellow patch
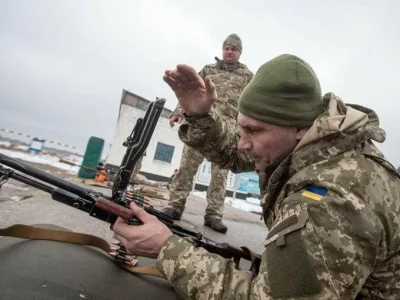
314 192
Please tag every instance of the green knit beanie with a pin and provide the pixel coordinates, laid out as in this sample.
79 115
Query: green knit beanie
285 91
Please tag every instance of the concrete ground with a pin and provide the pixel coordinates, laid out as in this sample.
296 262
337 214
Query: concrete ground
24 204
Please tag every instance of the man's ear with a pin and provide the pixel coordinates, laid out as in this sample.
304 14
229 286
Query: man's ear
300 132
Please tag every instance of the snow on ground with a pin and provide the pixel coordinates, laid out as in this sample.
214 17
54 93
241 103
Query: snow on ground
246 205
250 204
44 159
5 144
9 145
22 147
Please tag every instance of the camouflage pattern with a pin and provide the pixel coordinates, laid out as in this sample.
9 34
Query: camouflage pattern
141 179
229 84
343 245
137 168
183 182
235 41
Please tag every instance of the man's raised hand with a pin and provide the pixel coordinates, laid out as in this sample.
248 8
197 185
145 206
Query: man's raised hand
195 95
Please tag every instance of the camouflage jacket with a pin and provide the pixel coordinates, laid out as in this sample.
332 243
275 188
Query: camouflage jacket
332 207
229 84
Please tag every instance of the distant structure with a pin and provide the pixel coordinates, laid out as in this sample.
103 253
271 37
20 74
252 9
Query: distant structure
36 145
165 148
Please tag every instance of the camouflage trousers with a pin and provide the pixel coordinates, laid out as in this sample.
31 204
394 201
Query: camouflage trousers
182 184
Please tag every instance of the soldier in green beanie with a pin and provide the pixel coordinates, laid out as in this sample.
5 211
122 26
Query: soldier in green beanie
331 200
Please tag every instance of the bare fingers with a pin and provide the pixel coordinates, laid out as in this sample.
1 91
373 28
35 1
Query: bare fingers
188 71
175 79
171 82
179 77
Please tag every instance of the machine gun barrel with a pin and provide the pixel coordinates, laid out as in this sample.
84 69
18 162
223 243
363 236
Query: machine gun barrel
85 193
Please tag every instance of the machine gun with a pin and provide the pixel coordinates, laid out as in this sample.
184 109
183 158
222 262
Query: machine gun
108 208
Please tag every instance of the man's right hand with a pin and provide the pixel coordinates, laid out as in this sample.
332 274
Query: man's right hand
195 95
174 119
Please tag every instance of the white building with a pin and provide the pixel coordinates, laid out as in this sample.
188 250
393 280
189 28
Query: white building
164 152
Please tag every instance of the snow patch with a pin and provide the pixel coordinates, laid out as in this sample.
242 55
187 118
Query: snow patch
243 204
44 159
250 204
5 144
21 147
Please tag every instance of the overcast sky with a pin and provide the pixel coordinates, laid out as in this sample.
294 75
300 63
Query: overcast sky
64 64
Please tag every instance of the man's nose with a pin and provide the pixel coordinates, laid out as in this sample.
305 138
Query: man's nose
244 144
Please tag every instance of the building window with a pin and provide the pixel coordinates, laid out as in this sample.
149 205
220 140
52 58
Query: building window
164 152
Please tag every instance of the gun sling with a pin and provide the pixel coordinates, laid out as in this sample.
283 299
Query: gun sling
36 233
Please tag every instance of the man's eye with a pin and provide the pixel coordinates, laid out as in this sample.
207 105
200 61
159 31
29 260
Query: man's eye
253 130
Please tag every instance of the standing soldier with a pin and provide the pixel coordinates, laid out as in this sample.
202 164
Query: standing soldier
230 77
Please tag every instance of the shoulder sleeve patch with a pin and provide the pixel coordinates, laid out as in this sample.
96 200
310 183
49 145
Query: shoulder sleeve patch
314 192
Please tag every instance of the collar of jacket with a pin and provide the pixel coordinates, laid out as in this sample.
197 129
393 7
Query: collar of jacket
339 128
223 66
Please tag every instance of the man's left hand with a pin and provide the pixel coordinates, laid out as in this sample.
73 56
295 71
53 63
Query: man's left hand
143 240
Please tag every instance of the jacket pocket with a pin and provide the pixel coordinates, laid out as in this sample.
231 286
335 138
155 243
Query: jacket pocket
289 267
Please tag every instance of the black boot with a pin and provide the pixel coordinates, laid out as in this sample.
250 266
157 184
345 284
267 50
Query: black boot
216 225
171 213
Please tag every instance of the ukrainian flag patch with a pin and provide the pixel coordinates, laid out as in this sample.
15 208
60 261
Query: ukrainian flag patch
314 192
